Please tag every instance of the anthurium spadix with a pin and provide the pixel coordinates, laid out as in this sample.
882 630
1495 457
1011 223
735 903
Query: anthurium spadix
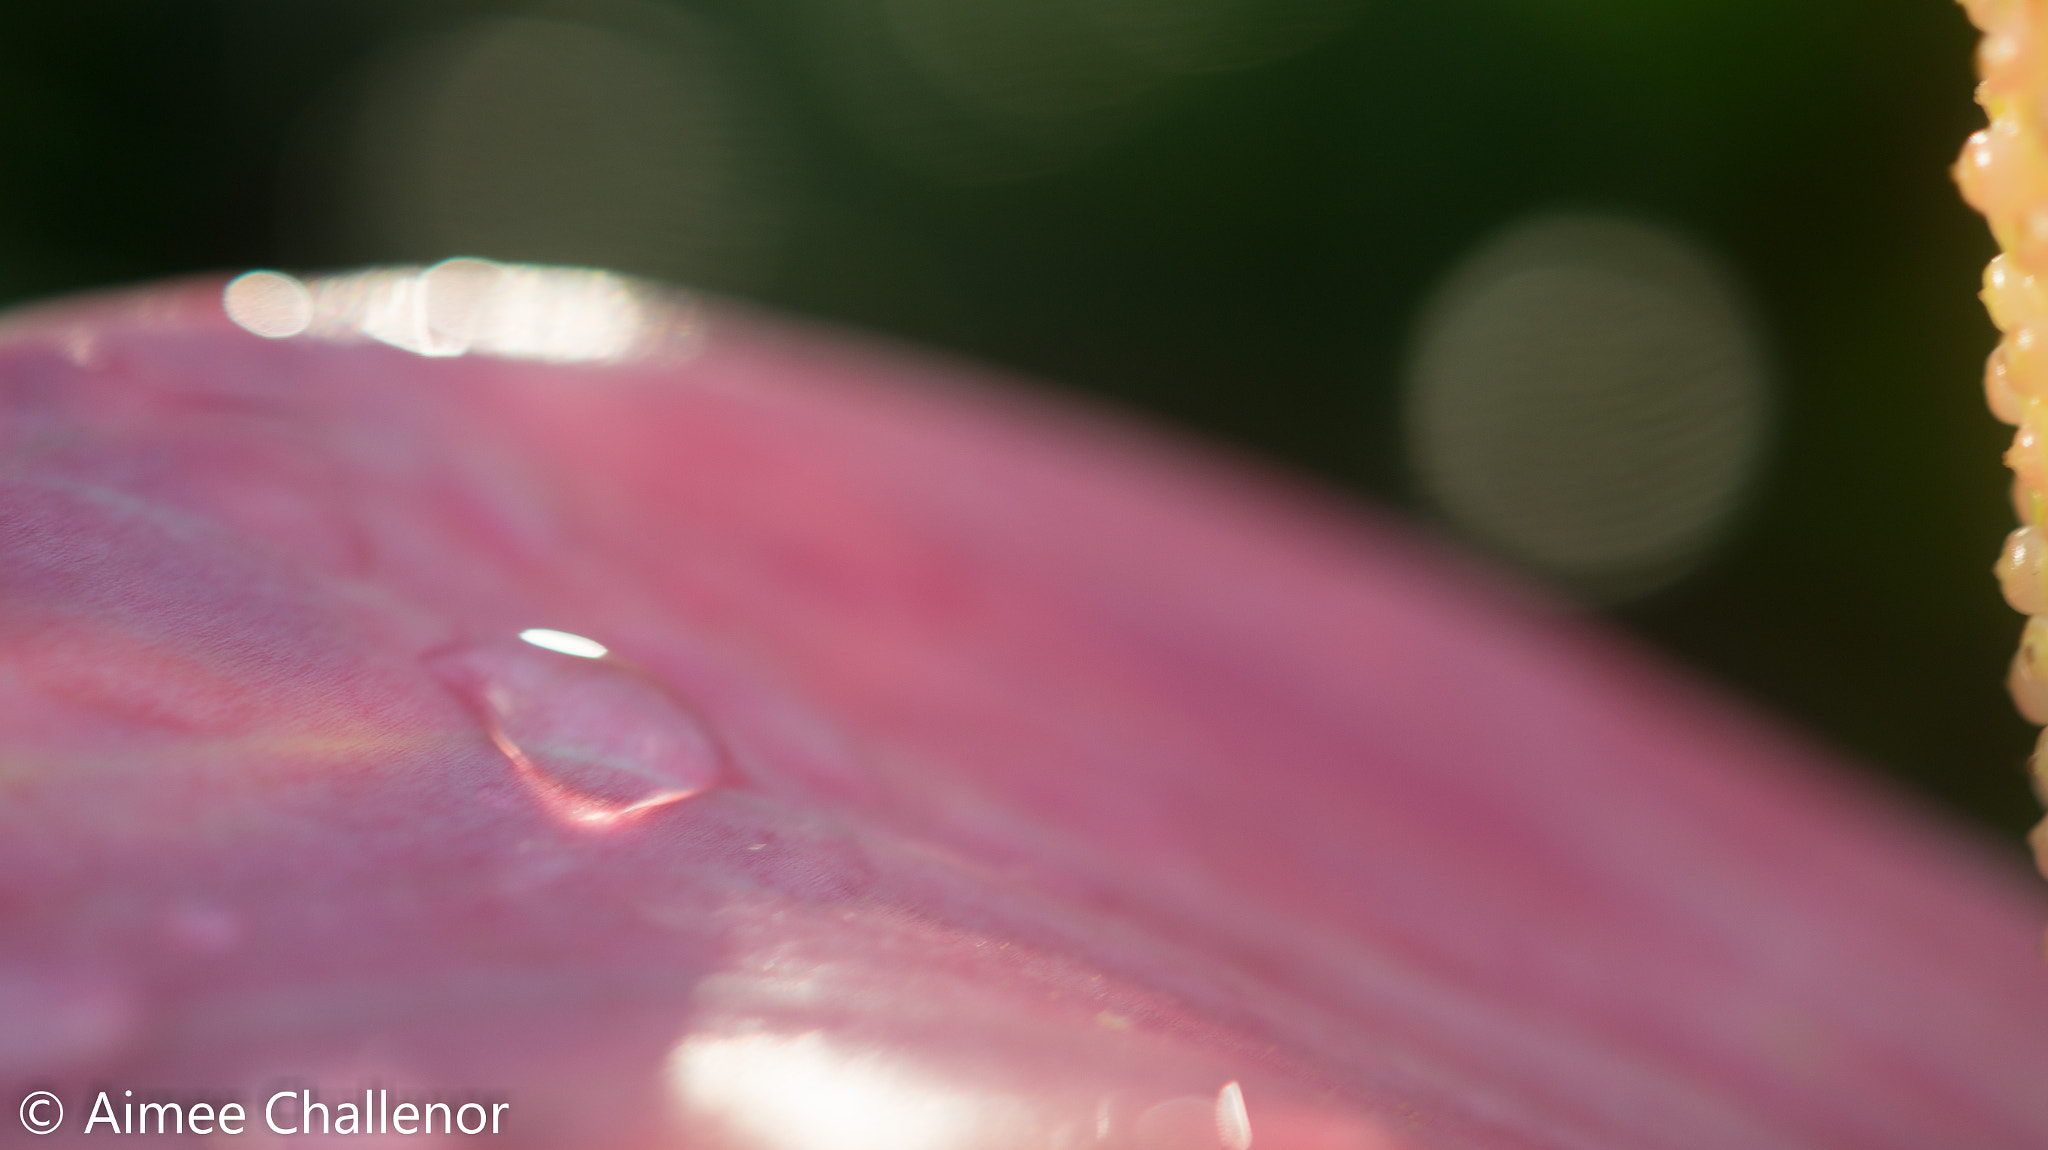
2003 172
513 705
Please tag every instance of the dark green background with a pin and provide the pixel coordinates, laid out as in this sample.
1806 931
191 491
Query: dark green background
1247 261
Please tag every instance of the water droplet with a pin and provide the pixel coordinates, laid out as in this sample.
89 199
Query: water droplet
596 740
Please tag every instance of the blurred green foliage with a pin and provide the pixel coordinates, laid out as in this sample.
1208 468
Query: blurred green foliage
1242 251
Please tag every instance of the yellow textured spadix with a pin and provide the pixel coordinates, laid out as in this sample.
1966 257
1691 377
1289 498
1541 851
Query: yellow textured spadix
2003 173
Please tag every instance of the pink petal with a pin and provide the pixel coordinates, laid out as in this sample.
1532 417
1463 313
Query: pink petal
1022 780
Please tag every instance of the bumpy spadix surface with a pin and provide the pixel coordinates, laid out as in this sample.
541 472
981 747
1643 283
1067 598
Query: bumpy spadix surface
937 772
2003 173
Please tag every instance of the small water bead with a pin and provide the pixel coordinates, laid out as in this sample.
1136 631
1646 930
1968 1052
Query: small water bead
595 740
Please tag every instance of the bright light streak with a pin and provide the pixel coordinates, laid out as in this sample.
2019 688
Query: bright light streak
565 643
270 304
1233 1121
471 306
783 1092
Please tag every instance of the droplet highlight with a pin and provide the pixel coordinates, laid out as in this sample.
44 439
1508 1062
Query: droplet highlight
596 740
564 643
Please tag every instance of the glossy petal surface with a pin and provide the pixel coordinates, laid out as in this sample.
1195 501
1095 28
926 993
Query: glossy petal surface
962 773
